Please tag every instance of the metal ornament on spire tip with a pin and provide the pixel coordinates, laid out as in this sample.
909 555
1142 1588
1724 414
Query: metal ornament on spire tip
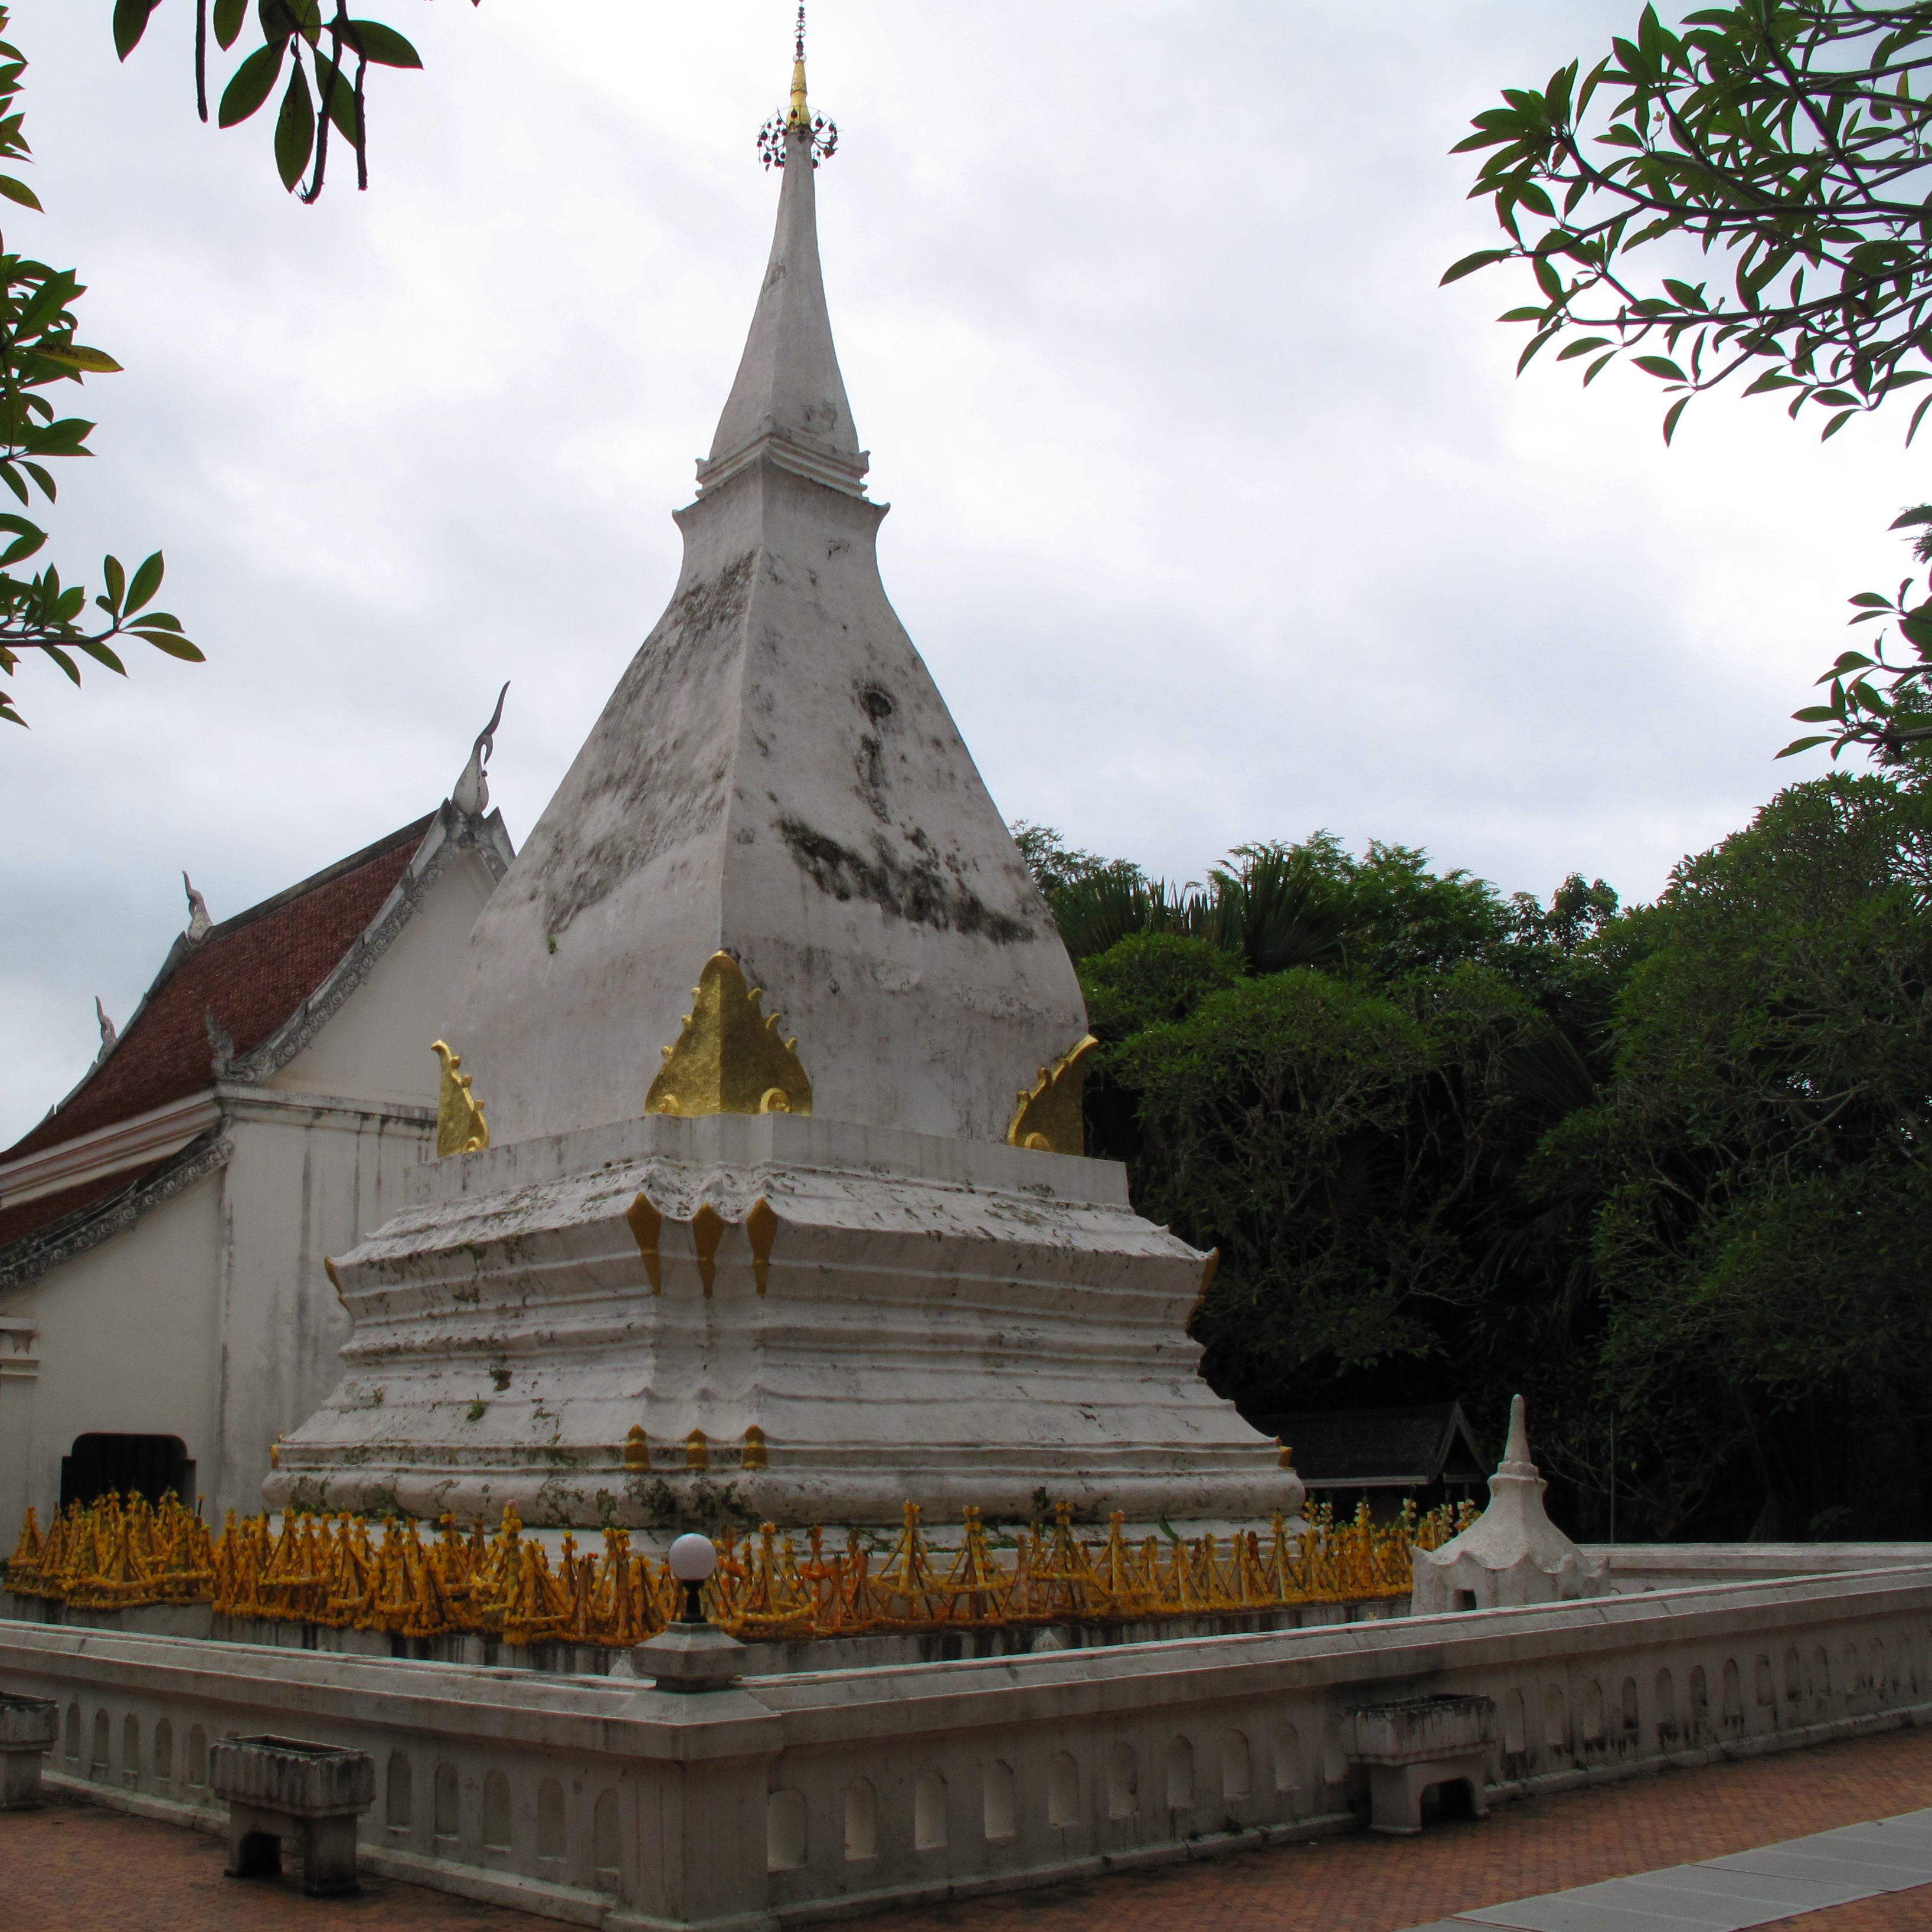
819 135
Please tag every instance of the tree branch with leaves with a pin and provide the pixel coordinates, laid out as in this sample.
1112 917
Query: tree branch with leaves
40 348
315 48
1789 143
1788 138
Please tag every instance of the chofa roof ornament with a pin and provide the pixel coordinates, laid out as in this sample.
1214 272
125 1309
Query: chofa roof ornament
471 792
109 1034
200 924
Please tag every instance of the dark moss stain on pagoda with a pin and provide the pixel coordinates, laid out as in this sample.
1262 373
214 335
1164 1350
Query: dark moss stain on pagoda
675 786
921 894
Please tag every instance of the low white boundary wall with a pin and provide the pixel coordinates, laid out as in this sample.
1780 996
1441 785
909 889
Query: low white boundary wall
606 1802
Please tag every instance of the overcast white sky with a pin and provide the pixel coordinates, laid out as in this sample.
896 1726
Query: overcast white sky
1215 519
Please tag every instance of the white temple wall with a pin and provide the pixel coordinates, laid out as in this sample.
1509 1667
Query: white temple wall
124 1335
212 1318
307 1179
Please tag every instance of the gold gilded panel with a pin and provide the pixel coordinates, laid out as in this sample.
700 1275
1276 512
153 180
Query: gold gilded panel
762 1225
1049 1116
460 1127
730 1057
646 1224
707 1230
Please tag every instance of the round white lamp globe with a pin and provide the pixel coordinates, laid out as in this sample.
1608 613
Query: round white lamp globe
692 1559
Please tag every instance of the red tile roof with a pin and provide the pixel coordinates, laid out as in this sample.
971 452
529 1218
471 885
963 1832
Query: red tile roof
252 970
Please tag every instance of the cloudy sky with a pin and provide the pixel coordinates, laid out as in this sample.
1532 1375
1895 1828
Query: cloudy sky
1215 519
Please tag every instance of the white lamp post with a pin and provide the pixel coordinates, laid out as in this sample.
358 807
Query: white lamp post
692 1653
692 1560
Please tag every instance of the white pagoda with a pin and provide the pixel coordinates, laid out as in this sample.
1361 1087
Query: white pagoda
763 1193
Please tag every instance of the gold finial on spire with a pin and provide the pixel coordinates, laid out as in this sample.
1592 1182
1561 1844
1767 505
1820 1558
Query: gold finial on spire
819 135
800 116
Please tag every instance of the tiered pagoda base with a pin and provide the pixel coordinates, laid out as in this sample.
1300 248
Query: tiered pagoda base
774 1318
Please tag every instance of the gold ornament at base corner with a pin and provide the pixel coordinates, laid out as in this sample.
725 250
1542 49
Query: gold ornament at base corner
1049 1118
460 1127
730 1057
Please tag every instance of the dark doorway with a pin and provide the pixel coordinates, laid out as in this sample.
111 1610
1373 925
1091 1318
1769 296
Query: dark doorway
148 1465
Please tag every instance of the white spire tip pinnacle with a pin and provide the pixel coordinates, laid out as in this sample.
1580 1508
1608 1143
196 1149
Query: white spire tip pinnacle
1518 1451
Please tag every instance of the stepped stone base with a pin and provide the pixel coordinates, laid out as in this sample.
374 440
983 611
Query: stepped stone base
905 1319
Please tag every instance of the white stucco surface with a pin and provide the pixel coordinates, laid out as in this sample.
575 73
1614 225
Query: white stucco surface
943 1322
939 1319
1512 1554
124 1348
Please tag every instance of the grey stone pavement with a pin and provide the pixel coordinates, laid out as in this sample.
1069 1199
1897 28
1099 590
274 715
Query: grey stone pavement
1726 1894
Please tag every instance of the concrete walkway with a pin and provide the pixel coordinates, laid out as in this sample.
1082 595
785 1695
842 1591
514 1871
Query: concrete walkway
1756 1887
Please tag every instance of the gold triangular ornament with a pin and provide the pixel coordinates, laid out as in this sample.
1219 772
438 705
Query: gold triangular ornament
730 1058
460 1127
1050 1118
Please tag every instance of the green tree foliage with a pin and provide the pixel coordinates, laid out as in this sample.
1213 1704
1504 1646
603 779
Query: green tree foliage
1874 703
40 349
1326 1066
1785 137
1664 1165
1334 1139
1742 200
318 59
1756 1171
1052 863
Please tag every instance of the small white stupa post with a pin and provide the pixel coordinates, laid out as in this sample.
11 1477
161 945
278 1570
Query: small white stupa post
1512 1554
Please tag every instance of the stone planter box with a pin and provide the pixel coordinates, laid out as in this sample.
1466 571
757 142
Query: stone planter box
28 1727
280 1788
1415 1744
1419 1728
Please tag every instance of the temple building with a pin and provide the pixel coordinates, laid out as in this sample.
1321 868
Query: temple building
166 1311
782 1211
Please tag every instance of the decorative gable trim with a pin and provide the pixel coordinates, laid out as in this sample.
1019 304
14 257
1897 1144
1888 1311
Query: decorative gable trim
60 1241
450 833
137 1141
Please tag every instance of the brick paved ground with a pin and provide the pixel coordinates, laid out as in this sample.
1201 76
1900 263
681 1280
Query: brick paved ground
78 1868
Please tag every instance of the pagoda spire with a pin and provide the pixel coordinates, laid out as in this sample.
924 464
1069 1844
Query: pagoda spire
788 401
775 780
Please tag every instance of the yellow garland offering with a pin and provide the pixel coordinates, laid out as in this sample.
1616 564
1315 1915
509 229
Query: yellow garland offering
335 1572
